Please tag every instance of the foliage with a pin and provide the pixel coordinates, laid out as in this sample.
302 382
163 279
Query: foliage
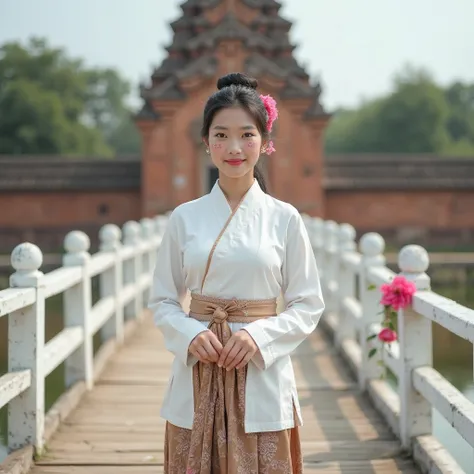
105 109
419 116
52 104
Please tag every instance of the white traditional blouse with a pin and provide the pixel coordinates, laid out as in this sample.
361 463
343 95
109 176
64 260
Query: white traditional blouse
265 252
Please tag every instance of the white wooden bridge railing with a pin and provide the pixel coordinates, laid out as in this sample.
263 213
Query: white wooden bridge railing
125 274
125 271
354 312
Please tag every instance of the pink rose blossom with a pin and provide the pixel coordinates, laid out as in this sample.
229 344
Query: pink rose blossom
272 111
270 104
387 335
398 294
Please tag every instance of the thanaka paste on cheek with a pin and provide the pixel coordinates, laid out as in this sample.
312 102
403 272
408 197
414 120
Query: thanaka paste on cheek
251 144
216 146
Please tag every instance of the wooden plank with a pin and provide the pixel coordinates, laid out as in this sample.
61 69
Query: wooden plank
378 466
390 466
117 428
131 450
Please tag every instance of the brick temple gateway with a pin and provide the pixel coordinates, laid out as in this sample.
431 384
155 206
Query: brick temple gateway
211 39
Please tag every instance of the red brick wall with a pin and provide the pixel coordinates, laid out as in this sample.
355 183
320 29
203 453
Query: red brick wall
45 218
443 217
438 217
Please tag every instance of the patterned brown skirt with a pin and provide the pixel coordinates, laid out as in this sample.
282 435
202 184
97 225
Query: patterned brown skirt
276 452
217 443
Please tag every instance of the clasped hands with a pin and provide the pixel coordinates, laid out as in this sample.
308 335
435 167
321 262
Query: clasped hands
238 351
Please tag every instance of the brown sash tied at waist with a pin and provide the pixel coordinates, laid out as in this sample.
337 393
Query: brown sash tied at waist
216 310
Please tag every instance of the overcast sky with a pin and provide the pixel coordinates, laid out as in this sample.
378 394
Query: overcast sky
354 46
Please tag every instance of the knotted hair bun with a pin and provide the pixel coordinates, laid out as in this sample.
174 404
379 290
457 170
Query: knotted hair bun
237 79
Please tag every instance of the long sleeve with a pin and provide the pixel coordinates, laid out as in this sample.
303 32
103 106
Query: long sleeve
280 335
167 295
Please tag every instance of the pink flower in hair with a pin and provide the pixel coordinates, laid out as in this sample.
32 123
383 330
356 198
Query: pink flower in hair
272 111
270 104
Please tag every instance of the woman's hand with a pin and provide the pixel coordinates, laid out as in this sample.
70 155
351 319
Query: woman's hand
238 351
206 347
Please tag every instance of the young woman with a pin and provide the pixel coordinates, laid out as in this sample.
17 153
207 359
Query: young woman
231 405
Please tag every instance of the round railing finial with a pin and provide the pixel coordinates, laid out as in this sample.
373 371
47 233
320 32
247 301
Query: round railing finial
347 235
372 244
147 227
413 259
76 242
110 236
26 259
131 232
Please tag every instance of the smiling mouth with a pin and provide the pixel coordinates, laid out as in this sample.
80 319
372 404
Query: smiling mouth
234 162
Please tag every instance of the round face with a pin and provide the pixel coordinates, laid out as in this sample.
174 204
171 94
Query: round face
234 142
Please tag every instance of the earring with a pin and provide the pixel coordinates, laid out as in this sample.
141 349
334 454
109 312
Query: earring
263 150
207 151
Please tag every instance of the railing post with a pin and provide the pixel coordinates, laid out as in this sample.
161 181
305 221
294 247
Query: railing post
111 281
330 263
372 246
26 351
132 267
147 231
346 326
318 242
77 309
158 231
415 339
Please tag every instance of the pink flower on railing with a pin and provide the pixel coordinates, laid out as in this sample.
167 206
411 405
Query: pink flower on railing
395 295
399 293
190 471
387 335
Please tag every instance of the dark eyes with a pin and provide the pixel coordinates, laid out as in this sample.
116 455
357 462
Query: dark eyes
246 135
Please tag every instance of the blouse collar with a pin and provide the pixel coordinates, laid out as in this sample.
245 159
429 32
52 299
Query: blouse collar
253 197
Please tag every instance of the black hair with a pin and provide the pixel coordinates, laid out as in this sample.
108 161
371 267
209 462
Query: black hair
237 89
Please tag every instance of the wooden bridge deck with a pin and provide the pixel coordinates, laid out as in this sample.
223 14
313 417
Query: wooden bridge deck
116 427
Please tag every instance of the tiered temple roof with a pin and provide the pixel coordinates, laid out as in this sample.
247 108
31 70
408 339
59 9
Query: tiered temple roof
192 51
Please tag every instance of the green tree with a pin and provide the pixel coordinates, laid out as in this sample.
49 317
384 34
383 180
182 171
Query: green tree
460 122
417 117
413 118
52 104
352 131
105 108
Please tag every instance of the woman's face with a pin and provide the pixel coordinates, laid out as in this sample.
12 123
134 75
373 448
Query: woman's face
234 142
